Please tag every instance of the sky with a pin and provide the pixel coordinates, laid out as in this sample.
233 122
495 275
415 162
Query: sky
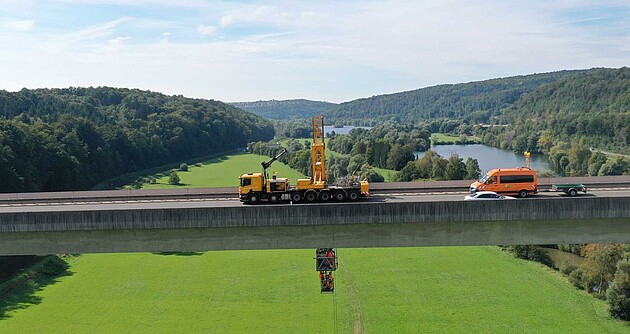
333 51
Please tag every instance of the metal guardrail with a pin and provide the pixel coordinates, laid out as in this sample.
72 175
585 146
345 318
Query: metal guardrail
210 193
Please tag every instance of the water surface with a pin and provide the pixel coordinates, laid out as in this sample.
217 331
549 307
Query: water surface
490 157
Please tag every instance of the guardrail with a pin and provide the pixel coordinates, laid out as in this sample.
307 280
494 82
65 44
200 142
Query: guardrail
208 193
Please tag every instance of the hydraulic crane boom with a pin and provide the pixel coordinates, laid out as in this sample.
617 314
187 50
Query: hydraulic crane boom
266 164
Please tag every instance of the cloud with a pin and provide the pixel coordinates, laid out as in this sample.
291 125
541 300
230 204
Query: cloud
206 30
143 3
20 25
324 50
92 32
226 20
115 44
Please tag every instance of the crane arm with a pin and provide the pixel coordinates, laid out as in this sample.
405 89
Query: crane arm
266 164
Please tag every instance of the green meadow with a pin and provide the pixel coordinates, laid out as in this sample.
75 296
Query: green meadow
223 172
389 290
446 138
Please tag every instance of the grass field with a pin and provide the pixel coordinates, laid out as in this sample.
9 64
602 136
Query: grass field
441 137
388 174
222 172
399 290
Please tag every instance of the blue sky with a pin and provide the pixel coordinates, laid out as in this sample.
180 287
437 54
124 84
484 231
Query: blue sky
321 50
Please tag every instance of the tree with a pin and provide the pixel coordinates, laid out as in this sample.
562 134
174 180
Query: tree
600 265
399 156
370 174
355 164
531 252
183 167
618 294
455 168
473 171
579 155
359 147
595 162
173 178
617 166
438 167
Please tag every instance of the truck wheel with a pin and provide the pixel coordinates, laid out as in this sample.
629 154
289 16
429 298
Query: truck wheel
296 197
274 199
324 196
340 196
572 192
353 195
522 193
253 199
310 196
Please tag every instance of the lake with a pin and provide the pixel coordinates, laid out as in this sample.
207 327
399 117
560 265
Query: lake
490 157
342 130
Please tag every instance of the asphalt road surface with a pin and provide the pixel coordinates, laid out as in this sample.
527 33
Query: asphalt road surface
77 205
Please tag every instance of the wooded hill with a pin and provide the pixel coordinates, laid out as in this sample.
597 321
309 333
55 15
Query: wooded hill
476 101
593 106
287 109
71 139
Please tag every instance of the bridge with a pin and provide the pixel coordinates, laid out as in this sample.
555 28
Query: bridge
390 219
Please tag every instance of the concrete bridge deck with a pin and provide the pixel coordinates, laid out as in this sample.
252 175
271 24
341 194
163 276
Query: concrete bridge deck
185 227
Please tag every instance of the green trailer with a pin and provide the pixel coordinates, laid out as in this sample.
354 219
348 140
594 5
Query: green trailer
569 189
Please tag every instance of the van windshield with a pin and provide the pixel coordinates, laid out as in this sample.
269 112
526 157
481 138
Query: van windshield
483 179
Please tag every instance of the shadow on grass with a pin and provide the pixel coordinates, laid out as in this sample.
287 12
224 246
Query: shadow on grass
19 292
180 253
220 159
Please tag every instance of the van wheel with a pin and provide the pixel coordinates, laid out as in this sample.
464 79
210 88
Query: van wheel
296 197
522 193
572 192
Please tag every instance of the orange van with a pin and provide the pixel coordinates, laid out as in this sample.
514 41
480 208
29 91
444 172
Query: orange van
521 181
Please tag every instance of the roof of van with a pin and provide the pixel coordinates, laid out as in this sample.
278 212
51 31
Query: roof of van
519 169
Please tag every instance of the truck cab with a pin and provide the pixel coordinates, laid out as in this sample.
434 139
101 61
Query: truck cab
250 183
254 188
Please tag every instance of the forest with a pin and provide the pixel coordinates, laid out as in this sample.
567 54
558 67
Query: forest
476 102
285 110
571 121
71 139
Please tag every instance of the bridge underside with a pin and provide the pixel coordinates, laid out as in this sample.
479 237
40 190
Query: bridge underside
611 230
362 224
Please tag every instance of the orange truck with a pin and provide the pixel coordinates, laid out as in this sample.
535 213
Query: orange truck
520 181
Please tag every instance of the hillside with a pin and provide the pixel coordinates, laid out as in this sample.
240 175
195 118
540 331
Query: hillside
477 101
70 139
593 106
287 109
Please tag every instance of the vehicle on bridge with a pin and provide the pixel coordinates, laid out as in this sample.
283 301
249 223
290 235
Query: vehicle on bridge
486 196
258 187
569 189
520 181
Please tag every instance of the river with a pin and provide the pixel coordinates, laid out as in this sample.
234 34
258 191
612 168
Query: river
342 130
490 157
